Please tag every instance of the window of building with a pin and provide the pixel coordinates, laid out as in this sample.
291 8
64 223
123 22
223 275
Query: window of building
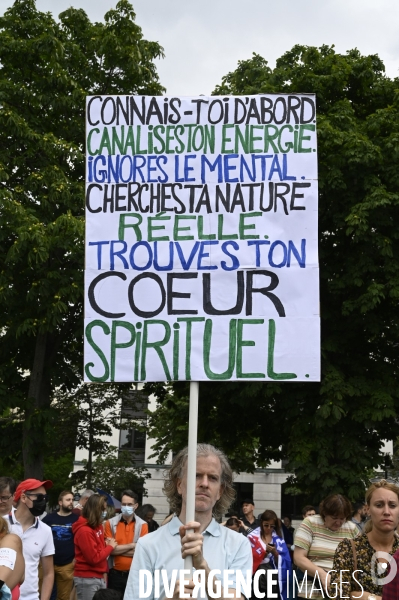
133 413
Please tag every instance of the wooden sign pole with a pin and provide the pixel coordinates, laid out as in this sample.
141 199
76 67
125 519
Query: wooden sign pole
192 460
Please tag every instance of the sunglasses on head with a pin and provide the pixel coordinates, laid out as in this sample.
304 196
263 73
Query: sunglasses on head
384 480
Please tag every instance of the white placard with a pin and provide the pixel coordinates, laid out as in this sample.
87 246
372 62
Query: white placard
201 238
8 556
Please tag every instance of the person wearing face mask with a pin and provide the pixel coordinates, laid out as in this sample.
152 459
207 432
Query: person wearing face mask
126 528
36 536
91 549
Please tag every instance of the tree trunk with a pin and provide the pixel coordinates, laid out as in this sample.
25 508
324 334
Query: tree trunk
38 398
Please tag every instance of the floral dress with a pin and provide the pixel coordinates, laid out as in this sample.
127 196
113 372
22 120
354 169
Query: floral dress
343 560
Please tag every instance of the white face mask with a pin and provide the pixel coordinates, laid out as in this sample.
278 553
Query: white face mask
127 510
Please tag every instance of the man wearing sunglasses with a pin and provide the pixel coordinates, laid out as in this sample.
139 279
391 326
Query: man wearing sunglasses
37 539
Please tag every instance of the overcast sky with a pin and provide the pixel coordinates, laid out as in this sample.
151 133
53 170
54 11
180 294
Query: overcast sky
204 39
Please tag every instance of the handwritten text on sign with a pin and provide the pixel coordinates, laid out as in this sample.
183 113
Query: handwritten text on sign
201 238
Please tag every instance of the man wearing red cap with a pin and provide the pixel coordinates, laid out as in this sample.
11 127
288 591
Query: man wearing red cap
37 539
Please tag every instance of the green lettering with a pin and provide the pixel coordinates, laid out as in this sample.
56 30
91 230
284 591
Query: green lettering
89 150
232 351
176 339
105 142
270 356
270 137
305 138
221 235
242 227
169 138
151 228
253 139
242 343
209 139
139 150
244 141
116 141
176 228
225 140
157 346
189 321
135 226
97 349
201 234
288 145
115 345
129 142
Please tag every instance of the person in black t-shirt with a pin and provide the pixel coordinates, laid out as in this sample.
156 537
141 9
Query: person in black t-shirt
249 521
61 526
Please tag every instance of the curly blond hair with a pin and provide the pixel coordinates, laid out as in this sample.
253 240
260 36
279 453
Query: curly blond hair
175 473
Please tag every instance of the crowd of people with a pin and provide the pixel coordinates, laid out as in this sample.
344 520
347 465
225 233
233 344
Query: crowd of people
85 551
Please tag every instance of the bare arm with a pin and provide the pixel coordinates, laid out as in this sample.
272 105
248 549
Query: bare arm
13 577
302 561
48 577
124 549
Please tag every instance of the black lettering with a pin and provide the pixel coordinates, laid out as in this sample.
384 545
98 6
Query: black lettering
280 195
121 109
293 108
92 299
108 199
88 109
266 291
119 197
165 197
172 294
281 100
106 101
304 100
207 296
177 199
134 109
294 195
142 313
176 119
130 197
271 189
154 110
90 187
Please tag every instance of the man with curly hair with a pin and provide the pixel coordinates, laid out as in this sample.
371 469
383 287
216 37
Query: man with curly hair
210 545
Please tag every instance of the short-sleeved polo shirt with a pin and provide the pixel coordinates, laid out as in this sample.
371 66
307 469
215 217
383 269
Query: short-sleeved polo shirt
223 549
37 541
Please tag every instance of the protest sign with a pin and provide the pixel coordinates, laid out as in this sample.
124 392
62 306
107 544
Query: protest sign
201 239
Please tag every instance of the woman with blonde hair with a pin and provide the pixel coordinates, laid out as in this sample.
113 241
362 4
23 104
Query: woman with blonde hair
382 499
12 574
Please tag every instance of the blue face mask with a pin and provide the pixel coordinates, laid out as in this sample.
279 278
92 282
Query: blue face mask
104 514
127 510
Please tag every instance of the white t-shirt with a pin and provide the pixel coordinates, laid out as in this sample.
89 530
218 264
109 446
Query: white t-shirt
37 541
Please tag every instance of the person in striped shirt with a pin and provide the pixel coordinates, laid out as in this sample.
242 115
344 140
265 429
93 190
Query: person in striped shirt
315 542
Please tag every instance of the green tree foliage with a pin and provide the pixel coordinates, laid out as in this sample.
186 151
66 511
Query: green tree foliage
331 432
92 413
47 67
113 472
